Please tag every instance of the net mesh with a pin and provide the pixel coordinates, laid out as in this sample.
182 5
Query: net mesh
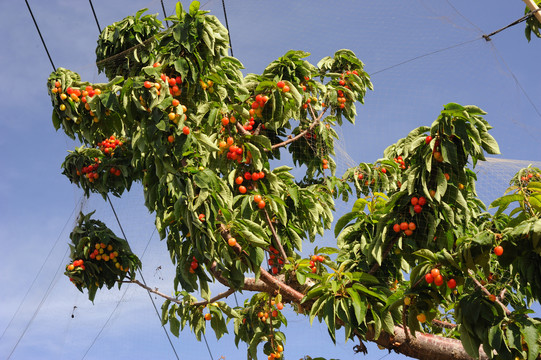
442 51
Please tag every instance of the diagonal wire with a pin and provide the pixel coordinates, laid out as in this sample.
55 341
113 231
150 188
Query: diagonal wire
143 279
46 260
516 80
164 13
95 17
117 304
47 293
41 37
227 26
425 55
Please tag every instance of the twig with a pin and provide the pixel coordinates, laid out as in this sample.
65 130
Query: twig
276 237
216 298
483 289
154 291
301 134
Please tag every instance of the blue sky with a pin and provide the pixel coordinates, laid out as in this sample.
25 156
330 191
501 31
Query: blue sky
37 202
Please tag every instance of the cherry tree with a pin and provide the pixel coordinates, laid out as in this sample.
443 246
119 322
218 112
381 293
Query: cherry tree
419 266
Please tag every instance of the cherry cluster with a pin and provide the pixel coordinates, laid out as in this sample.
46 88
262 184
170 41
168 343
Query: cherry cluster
90 171
434 276
109 145
275 261
407 228
400 162
194 265
248 179
313 262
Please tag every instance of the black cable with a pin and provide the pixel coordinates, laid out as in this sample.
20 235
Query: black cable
424 55
524 18
227 26
41 37
95 17
144 282
208 347
47 293
164 13
516 81
45 261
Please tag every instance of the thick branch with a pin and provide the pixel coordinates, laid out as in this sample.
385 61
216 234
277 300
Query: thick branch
423 346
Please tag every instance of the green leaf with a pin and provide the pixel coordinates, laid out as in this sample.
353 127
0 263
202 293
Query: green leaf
471 344
174 325
489 143
194 7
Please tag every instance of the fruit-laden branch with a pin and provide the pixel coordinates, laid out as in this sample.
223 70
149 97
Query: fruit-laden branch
276 237
484 290
301 134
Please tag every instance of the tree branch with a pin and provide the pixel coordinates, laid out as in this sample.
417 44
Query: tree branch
216 298
154 291
301 134
484 290
276 237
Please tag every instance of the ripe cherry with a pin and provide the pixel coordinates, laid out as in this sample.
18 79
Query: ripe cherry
421 318
239 180
414 200
396 228
285 89
451 284
242 189
498 250
434 272
428 139
422 201
147 84
232 241
438 280
492 297
280 84
185 130
261 204
208 316
404 226
417 208
429 279
170 138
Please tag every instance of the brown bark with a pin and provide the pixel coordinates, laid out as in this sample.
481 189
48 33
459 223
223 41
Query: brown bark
423 346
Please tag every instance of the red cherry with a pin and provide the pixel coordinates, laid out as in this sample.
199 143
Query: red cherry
417 208
396 228
429 279
422 201
498 250
414 201
451 284
280 84
428 139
